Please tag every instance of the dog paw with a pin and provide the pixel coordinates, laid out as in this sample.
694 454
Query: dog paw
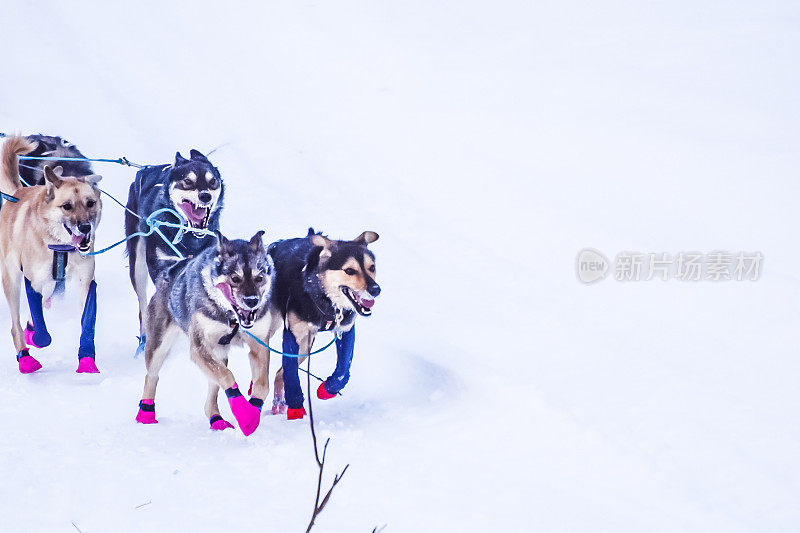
278 406
219 424
147 412
28 365
41 340
323 394
86 365
247 415
295 414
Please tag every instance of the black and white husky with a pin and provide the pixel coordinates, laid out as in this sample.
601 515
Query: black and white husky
193 187
209 297
32 170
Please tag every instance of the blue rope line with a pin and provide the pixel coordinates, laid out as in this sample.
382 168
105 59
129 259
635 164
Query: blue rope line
120 161
9 197
273 350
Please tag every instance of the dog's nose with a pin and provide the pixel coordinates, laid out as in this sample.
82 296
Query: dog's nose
251 301
374 290
85 228
205 197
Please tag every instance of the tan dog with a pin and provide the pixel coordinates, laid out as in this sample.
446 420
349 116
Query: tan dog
43 236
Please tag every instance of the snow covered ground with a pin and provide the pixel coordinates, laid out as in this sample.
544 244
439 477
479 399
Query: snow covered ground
487 143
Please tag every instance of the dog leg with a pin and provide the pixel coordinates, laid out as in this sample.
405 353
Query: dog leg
86 351
248 416
36 333
212 408
157 349
139 275
11 288
259 367
341 374
290 373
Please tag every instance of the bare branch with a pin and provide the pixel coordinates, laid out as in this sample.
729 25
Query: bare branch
318 507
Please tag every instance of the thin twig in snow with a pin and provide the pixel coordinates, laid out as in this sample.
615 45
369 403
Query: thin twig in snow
318 507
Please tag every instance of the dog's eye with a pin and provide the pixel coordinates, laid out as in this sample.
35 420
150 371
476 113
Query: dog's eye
350 271
67 207
259 278
90 203
236 279
372 268
212 183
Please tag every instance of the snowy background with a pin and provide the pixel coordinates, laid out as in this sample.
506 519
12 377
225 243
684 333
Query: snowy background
487 143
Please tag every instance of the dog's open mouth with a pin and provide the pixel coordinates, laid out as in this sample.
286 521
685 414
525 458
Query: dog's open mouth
363 305
246 318
196 215
80 241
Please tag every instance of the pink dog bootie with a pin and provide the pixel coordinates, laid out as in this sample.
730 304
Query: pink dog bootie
86 365
147 412
247 415
323 394
219 424
27 364
295 414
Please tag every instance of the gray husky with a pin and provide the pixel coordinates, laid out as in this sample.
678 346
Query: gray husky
209 297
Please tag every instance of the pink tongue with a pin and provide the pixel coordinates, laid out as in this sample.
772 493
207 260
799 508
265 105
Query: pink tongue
76 240
367 303
195 214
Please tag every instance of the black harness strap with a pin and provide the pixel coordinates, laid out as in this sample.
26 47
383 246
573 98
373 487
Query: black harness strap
60 259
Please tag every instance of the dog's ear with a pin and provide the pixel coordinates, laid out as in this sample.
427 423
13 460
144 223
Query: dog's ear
93 179
52 177
313 259
197 156
256 244
366 238
224 244
58 171
311 232
179 159
319 254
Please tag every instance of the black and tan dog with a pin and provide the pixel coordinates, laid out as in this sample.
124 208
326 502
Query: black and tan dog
43 238
209 297
320 285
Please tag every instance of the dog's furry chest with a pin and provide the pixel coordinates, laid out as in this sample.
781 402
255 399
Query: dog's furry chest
39 271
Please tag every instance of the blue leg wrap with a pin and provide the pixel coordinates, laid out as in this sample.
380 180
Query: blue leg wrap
291 378
86 348
344 358
40 335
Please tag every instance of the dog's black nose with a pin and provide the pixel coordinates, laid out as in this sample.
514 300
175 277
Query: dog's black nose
85 228
251 301
204 197
374 290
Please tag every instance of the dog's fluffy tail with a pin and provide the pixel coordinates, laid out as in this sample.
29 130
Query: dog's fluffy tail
14 147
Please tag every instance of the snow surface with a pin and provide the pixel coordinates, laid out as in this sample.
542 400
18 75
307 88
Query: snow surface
487 143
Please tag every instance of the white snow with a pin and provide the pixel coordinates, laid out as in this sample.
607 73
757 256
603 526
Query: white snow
487 143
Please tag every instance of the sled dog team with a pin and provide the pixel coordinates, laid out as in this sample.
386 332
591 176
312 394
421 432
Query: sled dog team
214 291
